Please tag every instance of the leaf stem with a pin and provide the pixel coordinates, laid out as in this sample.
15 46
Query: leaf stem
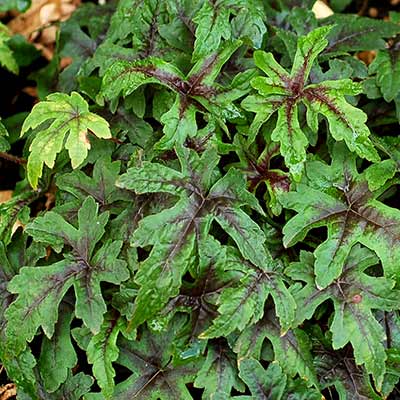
10 157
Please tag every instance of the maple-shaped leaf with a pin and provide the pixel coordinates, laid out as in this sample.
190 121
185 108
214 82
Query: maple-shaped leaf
218 374
155 372
283 92
292 350
19 369
353 33
75 186
199 298
243 305
195 91
354 295
102 351
386 66
174 233
7 59
341 199
153 29
58 356
74 388
40 289
214 22
269 384
12 210
258 169
338 368
61 121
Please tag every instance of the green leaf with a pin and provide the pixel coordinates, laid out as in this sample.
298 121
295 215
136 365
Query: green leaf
57 356
386 66
102 351
4 145
41 289
339 198
337 368
284 92
68 120
155 373
292 350
218 374
214 22
7 59
243 305
195 91
11 210
174 233
262 384
354 295
76 186
354 33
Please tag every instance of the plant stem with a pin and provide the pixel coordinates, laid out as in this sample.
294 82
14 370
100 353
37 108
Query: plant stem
10 157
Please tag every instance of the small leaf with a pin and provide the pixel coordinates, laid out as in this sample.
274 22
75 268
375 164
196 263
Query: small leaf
353 296
155 374
218 374
69 120
58 355
102 351
7 59
386 65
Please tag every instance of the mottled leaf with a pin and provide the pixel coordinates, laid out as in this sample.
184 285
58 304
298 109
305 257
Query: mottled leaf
283 92
338 197
354 294
61 121
41 289
174 233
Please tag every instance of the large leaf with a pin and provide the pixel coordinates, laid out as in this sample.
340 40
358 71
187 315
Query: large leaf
175 233
353 33
62 121
283 92
155 374
339 198
292 350
195 91
243 305
12 258
41 289
354 295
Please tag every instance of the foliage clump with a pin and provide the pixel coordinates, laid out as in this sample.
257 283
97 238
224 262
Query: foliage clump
209 207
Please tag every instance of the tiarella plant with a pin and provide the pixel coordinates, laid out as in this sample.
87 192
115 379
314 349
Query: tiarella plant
207 206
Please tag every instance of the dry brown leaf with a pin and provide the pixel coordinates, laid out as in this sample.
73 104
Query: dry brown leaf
30 91
8 391
321 10
40 23
367 56
5 195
